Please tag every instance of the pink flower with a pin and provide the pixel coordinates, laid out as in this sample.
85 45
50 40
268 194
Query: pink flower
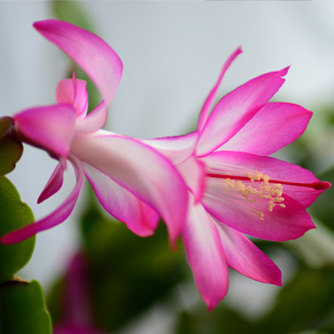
76 311
235 188
132 181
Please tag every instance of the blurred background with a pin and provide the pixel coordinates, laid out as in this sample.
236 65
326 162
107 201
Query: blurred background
172 54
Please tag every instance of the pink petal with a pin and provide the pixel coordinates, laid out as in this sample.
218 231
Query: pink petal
139 169
273 127
255 219
73 91
205 255
235 109
93 121
243 256
298 183
94 55
177 149
53 219
122 204
48 127
256 207
193 172
209 100
55 182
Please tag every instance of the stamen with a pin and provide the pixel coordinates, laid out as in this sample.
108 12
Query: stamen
259 186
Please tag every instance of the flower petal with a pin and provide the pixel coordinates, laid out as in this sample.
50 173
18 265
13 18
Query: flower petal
272 127
262 209
243 256
55 182
298 183
48 127
93 121
139 169
122 204
53 219
193 172
205 255
73 91
177 149
209 100
232 209
93 54
235 109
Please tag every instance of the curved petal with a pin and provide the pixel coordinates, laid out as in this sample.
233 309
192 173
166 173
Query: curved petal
55 182
298 183
272 127
93 121
94 55
193 172
48 127
236 108
243 256
209 100
252 194
73 91
255 218
205 255
177 149
139 169
121 203
56 217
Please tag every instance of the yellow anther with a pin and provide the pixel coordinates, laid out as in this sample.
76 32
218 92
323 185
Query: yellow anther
260 188
259 213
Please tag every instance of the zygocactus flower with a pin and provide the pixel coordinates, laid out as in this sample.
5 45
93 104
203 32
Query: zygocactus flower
235 188
76 311
133 182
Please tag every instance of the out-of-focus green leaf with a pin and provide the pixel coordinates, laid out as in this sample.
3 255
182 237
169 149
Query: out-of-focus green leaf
72 12
303 304
10 149
220 320
128 273
323 206
22 309
13 215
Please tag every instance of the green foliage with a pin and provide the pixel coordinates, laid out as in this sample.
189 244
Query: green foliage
306 303
22 306
14 214
221 320
73 12
22 309
10 149
129 273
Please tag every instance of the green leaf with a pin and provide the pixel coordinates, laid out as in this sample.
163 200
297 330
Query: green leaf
303 304
22 309
72 12
10 149
221 320
127 273
13 215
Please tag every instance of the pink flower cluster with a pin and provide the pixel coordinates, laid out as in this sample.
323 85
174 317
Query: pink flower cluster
211 186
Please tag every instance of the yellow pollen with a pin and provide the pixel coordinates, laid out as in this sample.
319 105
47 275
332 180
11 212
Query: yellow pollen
259 213
260 188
